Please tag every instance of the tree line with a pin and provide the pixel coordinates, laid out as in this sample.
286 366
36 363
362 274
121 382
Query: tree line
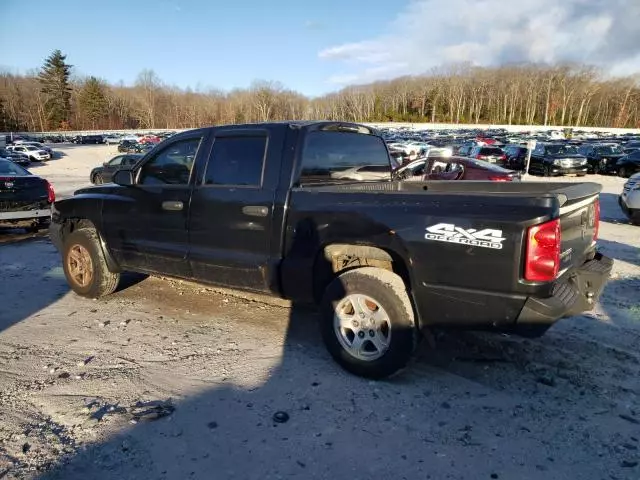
526 94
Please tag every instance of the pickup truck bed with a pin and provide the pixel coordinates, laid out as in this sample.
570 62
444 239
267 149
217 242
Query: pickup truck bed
261 207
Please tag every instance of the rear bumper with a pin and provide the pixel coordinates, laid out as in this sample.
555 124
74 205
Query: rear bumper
25 215
448 307
577 294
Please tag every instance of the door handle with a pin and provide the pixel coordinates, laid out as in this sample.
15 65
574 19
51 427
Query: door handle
172 206
255 211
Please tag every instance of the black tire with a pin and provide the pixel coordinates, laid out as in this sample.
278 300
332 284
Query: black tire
547 171
102 281
97 179
389 291
622 172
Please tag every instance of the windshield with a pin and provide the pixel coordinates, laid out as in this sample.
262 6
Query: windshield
556 149
609 149
30 148
10 168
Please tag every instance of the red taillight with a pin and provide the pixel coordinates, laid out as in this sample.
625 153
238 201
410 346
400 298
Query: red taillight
542 261
503 156
493 178
51 194
479 157
596 220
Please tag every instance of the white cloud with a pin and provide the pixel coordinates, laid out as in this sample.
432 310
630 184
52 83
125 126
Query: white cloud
430 33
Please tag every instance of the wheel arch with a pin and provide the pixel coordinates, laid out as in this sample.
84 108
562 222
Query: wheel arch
71 224
336 258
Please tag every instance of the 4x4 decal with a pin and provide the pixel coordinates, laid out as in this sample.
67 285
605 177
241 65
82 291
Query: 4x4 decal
448 232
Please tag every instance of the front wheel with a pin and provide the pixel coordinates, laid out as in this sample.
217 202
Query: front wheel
547 171
85 267
622 172
368 322
98 180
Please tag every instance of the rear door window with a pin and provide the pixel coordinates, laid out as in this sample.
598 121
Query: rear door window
328 154
236 160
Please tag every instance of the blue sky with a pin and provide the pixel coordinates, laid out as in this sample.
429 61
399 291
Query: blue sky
313 46
197 43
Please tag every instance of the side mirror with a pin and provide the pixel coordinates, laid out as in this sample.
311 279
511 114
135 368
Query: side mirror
123 177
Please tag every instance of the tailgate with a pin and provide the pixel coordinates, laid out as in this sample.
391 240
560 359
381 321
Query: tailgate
579 219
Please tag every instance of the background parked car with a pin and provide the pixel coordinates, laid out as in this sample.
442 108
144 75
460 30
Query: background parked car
40 146
631 146
35 154
127 146
412 171
88 139
516 157
601 157
557 159
104 174
628 165
489 154
16 157
464 168
629 199
25 199
112 140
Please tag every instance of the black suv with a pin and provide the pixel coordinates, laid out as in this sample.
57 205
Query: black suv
516 156
88 139
628 165
550 159
601 157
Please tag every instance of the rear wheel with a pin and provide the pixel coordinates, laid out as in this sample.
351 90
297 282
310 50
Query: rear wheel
368 323
85 266
622 172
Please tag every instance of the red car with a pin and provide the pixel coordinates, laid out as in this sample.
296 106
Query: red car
454 168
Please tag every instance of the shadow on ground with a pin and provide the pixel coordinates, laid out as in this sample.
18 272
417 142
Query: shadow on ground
447 416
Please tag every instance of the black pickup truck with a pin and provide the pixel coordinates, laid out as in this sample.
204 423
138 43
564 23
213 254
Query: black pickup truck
264 207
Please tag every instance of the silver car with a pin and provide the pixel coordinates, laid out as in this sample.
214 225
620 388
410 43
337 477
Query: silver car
629 199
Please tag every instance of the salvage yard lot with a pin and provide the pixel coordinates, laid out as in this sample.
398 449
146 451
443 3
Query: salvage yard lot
217 367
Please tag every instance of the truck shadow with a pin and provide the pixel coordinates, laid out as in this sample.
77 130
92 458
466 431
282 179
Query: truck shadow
620 251
614 214
310 419
24 295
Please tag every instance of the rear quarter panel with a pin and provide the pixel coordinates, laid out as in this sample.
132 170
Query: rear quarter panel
443 259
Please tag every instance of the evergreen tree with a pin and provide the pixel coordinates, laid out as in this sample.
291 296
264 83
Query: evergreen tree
54 82
93 101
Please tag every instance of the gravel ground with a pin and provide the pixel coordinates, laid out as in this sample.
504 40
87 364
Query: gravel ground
167 379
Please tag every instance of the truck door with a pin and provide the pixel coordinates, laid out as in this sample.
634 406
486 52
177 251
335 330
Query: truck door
149 231
232 208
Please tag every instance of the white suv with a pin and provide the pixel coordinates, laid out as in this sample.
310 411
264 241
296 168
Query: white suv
629 199
34 153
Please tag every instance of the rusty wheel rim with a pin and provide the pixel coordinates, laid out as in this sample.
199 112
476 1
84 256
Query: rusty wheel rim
80 265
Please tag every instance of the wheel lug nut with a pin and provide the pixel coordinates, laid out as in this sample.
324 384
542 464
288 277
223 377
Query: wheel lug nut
371 333
362 315
355 323
361 334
